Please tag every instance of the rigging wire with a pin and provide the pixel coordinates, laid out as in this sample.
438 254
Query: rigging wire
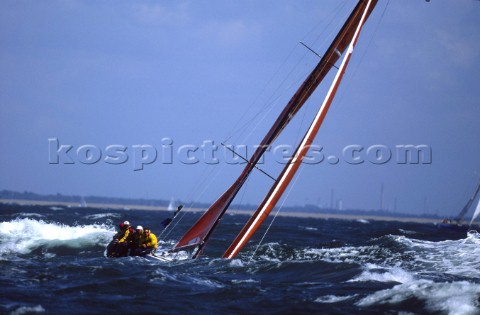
267 106
276 213
373 35
274 98
362 56
333 31
331 18
269 103
257 97
205 184
244 188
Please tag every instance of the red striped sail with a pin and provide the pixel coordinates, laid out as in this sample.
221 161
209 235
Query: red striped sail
199 233
292 166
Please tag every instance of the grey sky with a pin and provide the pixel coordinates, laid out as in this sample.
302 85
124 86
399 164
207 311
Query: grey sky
134 73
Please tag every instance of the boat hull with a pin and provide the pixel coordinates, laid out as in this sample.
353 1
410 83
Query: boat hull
452 227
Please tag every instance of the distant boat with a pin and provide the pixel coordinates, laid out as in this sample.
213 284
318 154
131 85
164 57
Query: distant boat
171 205
457 222
83 203
197 237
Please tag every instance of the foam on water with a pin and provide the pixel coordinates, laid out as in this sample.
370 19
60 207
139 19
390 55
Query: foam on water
381 274
244 281
102 215
333 298
28 310
22 236
309 228
451 297
339 272
459 258
29 215
236 263
363 221
427 260
407 232
454 257
207 283
348 254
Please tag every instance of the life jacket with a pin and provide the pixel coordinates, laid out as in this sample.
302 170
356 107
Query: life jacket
120 234
124 237
131 234
151 240
137 240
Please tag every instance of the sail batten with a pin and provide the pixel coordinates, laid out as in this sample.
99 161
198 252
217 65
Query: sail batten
292 166
200 232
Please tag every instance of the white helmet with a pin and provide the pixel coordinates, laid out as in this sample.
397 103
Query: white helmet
126 222
140 227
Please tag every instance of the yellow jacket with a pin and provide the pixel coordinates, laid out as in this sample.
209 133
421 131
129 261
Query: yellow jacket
122 235
149 240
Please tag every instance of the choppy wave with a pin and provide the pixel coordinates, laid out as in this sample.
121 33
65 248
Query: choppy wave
308 266
29 215
363 221
381 274
334 298
454 257
102 216
418 267
23 236
28 310
450 297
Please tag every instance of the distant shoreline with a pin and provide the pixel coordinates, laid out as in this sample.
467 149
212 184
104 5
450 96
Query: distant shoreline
242 212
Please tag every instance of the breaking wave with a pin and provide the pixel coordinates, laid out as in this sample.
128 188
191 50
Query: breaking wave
25 235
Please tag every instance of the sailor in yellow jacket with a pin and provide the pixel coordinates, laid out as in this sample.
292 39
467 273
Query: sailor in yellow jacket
145 242
123 233
119 245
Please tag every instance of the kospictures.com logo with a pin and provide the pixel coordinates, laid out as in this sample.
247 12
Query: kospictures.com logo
209 152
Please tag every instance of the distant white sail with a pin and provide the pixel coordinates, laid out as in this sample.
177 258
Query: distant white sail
83 203
476 213
171 205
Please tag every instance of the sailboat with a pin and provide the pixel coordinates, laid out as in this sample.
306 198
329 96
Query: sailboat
196 238
83 203
171 205
457 222
476 213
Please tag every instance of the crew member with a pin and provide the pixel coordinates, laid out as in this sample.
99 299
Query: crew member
145 242
119 245
123 232
167 221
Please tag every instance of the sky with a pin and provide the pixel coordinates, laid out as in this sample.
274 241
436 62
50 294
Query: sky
92 91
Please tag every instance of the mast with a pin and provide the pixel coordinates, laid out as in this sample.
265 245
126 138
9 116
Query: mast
290 169
199 233
464 211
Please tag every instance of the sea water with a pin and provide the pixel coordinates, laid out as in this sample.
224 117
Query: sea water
52 261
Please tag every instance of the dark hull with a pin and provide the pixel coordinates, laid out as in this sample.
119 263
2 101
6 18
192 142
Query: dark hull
115 249
452 227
